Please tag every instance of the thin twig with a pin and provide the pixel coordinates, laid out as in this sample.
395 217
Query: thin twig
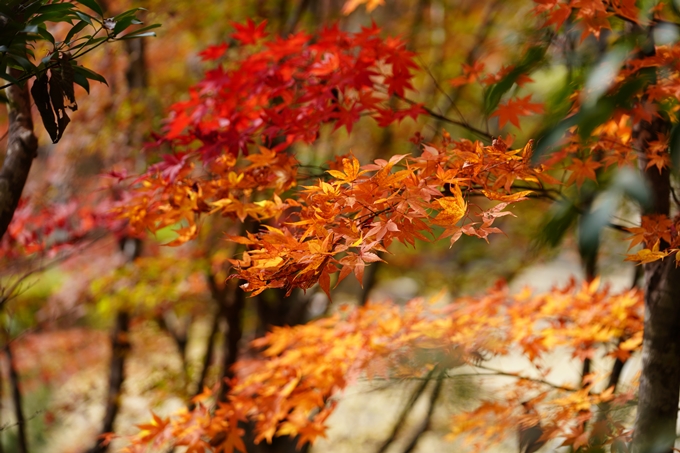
404 413
445 119
425 424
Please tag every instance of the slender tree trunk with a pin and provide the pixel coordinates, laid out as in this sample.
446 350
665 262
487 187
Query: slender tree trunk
22 443
120 348
233 313
208 356
22 147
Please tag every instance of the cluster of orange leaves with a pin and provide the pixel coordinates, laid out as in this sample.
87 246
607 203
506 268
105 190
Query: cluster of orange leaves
340 223
291 389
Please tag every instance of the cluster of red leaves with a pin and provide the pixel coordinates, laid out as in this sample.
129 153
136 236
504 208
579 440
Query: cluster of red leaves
53 228
338 224
274 91
284 89
291 389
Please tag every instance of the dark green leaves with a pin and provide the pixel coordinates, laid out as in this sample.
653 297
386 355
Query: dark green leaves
93 5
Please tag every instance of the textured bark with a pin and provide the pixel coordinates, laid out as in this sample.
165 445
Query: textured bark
660 379
655 424
22 147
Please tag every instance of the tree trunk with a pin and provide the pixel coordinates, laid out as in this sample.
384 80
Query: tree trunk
660 379
120 347
22 147
655 424
17 399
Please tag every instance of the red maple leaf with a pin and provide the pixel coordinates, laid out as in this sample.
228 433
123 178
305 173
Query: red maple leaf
249 33
213 52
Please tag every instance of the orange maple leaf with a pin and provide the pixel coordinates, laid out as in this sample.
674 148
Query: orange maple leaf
514 108
582 170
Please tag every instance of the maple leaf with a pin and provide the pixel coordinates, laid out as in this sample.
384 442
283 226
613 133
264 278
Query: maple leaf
582 170
249 33
645 256
452 209
514 108
470 74
350 170
558 16
212 53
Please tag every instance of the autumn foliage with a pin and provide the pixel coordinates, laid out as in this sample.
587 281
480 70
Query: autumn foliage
280 91
229 151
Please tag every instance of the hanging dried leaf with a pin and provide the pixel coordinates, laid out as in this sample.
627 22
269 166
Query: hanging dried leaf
41 96
67 80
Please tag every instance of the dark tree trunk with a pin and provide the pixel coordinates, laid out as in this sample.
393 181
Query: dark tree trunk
17 400
655 424
120 347
660 379
22 147
233 312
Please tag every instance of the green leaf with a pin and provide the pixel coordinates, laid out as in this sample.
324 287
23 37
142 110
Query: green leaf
46 35
84 17
592 223
125 22
56 8
9 78
128 13
22 62
88 74
561 217
93 5
30 29
634 185
141 30
81 80
76 28
135 35
550 138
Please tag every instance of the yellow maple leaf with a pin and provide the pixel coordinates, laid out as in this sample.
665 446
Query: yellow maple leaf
452 208
645 256
511 198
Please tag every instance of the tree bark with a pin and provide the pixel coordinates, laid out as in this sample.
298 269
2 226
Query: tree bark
655 423
659 391
22 147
